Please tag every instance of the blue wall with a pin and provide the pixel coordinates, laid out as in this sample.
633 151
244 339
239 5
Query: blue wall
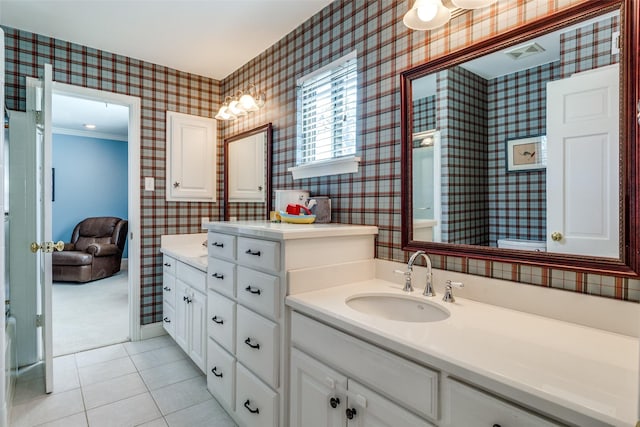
90 180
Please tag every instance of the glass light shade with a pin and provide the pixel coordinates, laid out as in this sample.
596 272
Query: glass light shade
236 109
472 4
261 99
223 114
426 10
413 21
248 103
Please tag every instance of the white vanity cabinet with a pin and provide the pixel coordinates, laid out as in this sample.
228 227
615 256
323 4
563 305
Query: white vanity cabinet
184 306
398 392
248 357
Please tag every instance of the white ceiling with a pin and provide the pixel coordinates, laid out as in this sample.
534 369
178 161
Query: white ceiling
210 38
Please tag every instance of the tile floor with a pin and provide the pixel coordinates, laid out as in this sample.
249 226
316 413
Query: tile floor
148 383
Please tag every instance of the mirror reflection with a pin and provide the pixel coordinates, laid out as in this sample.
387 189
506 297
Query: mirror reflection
247 174
519 149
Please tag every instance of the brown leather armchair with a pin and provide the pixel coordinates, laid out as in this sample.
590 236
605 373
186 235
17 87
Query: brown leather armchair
95 251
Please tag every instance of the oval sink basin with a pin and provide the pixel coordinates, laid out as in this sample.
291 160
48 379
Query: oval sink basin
397 307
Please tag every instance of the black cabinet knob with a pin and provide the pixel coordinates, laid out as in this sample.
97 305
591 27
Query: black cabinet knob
351 412
167 320
334 402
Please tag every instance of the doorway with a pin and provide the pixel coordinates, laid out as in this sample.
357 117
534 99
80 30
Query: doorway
90 179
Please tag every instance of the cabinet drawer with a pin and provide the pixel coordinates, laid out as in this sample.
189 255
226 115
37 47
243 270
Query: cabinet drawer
257 344
192 276
221 320
169 289
407 383
221 373
260 291
222 245
168 265
256 404
221 277
169 319
262 254
469 406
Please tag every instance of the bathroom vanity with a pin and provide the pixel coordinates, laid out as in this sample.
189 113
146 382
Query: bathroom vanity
474 364
248 325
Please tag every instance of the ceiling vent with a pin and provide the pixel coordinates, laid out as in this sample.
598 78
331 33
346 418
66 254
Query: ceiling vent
524 51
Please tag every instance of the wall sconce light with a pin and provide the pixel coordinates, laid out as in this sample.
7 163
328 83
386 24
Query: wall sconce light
431 14
241 104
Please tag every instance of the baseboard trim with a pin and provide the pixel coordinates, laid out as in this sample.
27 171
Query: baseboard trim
152 330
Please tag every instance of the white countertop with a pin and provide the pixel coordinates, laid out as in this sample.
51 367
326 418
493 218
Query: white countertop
187 248
557 367
287 231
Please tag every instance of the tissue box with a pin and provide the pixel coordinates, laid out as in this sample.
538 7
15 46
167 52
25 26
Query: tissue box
321 209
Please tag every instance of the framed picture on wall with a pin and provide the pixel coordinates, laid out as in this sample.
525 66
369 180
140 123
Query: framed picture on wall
525 154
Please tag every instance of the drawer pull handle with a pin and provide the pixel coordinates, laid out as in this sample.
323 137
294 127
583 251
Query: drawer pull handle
166 288
254 253
496 425
218 276
253 411
248 342
166 264
334 402
218 245
216 373
167 320
255 291
351 412
216 320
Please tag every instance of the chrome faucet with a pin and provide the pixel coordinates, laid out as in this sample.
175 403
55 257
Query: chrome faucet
448 290
428 288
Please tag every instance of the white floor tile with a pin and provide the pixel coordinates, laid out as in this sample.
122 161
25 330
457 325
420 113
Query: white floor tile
160 422
205 414
65 362
170 373
77 420
110 391
49 408
65 374
181 395
147 345
160 356
124 413
99 355
105 371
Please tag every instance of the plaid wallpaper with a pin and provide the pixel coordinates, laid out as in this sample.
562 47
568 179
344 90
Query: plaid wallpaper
424 114
160 89
462 121
372 196
517 108
588 47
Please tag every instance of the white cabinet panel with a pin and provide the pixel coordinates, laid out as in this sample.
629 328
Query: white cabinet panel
259 291
222 245
257 342
191 158
168 319
256 404
182 315
198 329
468 406
221 277
262 254
221 320
221 372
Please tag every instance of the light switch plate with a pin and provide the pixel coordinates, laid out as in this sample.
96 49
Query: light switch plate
149 184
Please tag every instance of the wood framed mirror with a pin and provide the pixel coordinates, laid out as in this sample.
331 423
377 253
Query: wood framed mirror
247 174
488 161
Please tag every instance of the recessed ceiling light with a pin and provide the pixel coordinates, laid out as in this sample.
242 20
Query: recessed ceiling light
89 126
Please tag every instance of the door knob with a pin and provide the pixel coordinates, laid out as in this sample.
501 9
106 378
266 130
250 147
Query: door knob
176 184
47 247
556 236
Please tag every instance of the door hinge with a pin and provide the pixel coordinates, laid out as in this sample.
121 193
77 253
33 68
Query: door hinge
39 118
39 321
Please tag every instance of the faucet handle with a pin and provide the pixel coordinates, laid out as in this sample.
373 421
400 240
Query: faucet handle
455 284
408 287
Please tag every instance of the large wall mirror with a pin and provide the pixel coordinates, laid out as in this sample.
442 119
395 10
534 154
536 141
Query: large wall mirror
247 177
523 148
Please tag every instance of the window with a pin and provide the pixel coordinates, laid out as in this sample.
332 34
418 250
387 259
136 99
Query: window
326 120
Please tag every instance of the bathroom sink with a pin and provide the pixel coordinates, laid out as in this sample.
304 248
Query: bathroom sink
397 307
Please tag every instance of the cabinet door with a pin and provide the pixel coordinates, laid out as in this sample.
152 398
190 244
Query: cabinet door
318 397
369 409
198 329
246 169
182 315
191 158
